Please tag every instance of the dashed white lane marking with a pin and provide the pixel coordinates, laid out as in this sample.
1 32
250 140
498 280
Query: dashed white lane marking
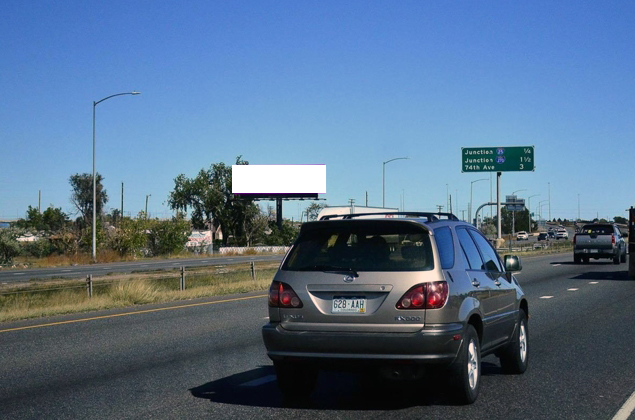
573 289
18 274
266 317
105 268
230 259
593 282
204 261
260 381
546 297
556 265
627 409
66 271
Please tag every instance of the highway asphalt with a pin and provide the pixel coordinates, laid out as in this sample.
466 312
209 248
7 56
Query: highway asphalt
205 359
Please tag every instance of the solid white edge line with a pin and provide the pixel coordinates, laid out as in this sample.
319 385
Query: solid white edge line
593 282
546 297
627 409
573 289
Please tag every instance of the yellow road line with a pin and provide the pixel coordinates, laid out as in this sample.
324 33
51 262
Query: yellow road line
130 313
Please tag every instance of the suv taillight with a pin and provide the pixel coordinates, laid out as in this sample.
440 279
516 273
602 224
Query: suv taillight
613 239
281 295
431 295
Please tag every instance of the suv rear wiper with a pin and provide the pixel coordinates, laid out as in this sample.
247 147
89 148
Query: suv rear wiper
329 268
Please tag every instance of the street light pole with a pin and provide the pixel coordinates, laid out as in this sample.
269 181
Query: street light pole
383 188
469 210
95 103
514 213
529 207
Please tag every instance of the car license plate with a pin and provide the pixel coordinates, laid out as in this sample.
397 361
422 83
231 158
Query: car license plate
350 305
594 251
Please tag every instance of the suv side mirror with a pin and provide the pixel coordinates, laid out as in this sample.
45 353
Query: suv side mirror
512 263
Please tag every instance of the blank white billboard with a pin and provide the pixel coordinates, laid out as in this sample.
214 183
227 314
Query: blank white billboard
279 179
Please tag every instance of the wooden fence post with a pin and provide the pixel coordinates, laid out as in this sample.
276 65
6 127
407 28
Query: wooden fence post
89 285
182 286
253 271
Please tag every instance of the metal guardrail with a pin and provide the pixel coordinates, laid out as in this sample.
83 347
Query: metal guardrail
90 284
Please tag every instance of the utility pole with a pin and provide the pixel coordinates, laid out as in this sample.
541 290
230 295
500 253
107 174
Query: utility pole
450 204
366 198
122 200
146 212
549 185
39 202
439 208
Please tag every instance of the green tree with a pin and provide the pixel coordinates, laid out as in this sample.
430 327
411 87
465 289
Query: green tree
621 220
82 196
129 238
284 236
32 221
9 245
313 210
52 220
168 236
209 198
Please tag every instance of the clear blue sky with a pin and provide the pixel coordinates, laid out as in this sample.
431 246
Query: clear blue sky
347 84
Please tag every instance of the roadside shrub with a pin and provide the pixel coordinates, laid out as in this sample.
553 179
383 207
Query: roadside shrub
133 292
38 249
9 245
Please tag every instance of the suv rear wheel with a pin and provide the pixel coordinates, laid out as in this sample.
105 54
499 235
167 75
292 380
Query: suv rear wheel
514 359
467 368
295 380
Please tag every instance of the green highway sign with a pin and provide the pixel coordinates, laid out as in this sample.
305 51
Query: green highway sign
497 159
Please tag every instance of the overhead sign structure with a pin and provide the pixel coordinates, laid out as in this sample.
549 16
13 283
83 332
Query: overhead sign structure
497 159
514 203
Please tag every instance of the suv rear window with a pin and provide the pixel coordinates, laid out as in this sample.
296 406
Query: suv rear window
361 246
598 229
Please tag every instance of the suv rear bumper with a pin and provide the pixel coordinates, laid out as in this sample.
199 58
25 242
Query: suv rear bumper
601 253
428 346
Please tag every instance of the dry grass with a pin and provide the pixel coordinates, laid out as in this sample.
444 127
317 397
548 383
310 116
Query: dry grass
64 297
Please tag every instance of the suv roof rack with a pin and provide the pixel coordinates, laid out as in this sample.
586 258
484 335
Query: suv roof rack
431 217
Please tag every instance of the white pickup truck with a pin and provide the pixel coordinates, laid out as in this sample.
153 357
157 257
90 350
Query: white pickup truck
599 240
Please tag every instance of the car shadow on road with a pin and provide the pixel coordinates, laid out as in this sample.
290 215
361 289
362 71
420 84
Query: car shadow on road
603 275
334 391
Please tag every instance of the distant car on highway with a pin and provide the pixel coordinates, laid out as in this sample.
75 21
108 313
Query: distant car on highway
522 236
543 236
562 233
396 296
599 240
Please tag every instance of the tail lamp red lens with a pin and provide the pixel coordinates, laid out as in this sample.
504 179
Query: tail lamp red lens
613 239
431 295
281 295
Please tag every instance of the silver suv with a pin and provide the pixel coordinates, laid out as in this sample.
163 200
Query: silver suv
402 296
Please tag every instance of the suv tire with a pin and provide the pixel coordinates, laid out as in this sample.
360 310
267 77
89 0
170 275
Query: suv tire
295 380
616 259
577 259
515 357
623 257
466 369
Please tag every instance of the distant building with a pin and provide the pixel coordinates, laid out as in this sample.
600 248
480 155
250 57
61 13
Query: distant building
28 237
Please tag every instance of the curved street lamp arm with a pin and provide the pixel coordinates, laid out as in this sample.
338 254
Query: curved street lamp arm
134 92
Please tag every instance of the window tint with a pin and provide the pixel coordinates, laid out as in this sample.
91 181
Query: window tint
361 246
445 245
470 250
490 257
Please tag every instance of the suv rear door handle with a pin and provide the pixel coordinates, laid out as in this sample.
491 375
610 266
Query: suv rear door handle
475 283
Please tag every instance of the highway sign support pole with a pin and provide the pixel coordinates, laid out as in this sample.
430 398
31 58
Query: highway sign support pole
498 204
